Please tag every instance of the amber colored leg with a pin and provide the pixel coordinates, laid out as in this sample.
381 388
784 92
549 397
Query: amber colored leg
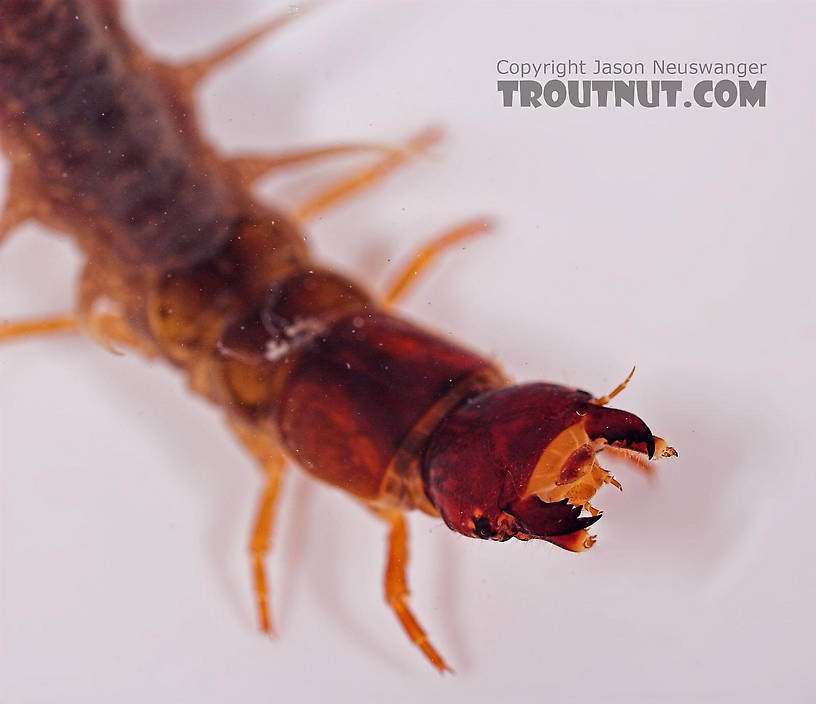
365 178
252 168
425 256
38 326
273 463
107 329
110 330
603 400
259 547
396 587
195 71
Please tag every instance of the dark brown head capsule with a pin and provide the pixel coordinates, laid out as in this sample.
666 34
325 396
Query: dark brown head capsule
521 462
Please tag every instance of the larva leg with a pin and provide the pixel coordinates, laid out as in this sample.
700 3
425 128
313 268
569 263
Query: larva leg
108 326
272 462
102 317
20 207
427 254
197 70
38 326
396 586
111 331
603 400
259 546
107 329
251 168
364 178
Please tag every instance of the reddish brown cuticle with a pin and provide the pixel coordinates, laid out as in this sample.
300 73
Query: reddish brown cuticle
484 452
303 362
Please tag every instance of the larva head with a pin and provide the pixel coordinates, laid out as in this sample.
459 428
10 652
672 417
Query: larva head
521 461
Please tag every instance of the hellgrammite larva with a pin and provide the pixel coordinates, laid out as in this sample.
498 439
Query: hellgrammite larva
184 264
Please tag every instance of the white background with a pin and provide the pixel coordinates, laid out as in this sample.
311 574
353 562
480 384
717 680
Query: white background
679 240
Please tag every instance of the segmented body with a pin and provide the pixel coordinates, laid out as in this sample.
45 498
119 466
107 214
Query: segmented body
202 274
184 264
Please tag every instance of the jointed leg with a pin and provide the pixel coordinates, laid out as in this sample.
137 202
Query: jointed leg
425 256
190 74
365 178
108 329
251 168
38 326
259 547
396 586
193 72
273 463
104 323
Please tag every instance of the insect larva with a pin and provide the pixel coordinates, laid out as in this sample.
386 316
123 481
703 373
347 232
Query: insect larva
185 265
